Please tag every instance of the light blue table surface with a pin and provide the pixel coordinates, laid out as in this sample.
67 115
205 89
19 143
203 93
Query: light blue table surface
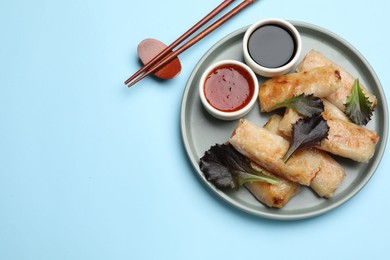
90 169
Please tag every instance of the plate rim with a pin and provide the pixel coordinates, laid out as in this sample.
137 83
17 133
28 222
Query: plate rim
298 216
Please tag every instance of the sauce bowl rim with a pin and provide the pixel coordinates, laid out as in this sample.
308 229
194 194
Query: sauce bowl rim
228 115
266 71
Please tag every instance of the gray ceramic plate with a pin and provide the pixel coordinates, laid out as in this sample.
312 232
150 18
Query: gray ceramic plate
200 130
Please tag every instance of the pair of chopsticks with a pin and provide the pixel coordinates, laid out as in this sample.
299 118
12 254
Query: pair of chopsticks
168 55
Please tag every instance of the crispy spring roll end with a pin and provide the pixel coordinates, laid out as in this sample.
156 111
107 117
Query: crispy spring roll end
273 195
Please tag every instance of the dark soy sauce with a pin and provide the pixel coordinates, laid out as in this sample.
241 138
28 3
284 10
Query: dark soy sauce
271 46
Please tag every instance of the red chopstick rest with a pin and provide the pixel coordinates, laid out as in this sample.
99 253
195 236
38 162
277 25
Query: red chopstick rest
150 48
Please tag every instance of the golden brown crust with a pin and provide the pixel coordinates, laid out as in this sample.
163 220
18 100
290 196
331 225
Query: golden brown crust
329 177
314 59
273 195
320 82
330 174
309 167
349 140
344 139
267 150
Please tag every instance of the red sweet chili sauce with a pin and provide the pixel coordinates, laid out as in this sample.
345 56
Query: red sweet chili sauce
229 88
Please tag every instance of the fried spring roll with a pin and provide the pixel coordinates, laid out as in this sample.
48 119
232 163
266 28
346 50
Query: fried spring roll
330 175
349 140
329 178
320 82
314 59
331 111
344 139
276 195
289 118
273 125
267 150
273 195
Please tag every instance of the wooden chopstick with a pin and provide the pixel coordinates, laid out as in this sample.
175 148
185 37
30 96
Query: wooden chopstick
170 56
179 40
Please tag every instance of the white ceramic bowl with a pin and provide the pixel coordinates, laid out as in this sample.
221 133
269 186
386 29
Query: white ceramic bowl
228 115
268 71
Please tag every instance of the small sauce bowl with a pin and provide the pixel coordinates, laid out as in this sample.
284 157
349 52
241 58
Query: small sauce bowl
228 89
272 47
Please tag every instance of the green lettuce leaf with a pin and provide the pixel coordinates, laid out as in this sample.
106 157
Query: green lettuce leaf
358 106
